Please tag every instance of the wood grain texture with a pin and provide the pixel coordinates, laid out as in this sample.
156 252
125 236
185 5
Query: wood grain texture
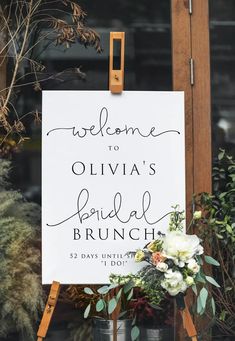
181 53
202 115
201 96
190 38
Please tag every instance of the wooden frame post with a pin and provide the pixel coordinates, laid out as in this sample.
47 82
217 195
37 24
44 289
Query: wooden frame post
191 73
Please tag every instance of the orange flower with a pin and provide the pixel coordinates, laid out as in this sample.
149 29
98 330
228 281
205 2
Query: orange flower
157 257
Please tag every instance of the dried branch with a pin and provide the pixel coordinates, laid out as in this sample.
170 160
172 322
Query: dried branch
24 25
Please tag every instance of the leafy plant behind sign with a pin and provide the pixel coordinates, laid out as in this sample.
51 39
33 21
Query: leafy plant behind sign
217 227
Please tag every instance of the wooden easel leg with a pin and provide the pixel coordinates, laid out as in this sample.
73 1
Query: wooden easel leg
114 329
48 311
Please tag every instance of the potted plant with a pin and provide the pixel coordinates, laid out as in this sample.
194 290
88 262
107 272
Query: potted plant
110 308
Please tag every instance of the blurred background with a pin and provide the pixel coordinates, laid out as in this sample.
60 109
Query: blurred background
148 66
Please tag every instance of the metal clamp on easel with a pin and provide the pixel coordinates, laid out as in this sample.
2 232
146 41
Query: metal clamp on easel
116 63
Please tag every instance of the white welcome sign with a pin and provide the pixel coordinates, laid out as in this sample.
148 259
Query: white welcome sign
112 168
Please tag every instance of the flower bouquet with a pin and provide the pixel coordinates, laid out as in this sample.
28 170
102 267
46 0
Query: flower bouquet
174 264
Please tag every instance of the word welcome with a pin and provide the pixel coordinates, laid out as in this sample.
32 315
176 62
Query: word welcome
102 129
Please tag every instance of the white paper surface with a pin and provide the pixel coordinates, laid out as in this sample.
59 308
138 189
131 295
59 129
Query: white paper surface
112 167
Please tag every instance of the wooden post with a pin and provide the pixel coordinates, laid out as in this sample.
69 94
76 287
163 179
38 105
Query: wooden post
191 73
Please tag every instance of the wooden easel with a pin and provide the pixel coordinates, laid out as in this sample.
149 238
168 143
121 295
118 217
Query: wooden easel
116 86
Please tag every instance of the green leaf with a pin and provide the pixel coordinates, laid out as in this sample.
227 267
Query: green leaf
212 281
129 297
103 290
211 260
87 311
229 229
223 315
100 305
88 291
200 278
194 288
113 286
122 314
119 294
128 286
203 297
112 305
213 306
199 306
135 332
199 259
221 155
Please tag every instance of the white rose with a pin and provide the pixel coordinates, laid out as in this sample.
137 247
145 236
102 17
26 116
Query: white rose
193 266
161 266
179 263
189 281
181 247
200 250
173 282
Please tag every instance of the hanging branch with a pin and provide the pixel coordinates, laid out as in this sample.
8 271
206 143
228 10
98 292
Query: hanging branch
24 25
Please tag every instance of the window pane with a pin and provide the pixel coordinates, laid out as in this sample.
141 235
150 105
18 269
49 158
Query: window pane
147 67
222 32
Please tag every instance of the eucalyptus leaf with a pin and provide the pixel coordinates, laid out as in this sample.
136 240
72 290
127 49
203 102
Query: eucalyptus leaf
194 288
87 311
213 305
119 294
123 313
203 297
113 286
200 278
112 305
199 259
100 305
128 286
212 281
199 306
103 290
135 332
129 297
88 291
211 260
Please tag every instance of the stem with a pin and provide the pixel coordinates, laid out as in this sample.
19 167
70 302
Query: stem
18 57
